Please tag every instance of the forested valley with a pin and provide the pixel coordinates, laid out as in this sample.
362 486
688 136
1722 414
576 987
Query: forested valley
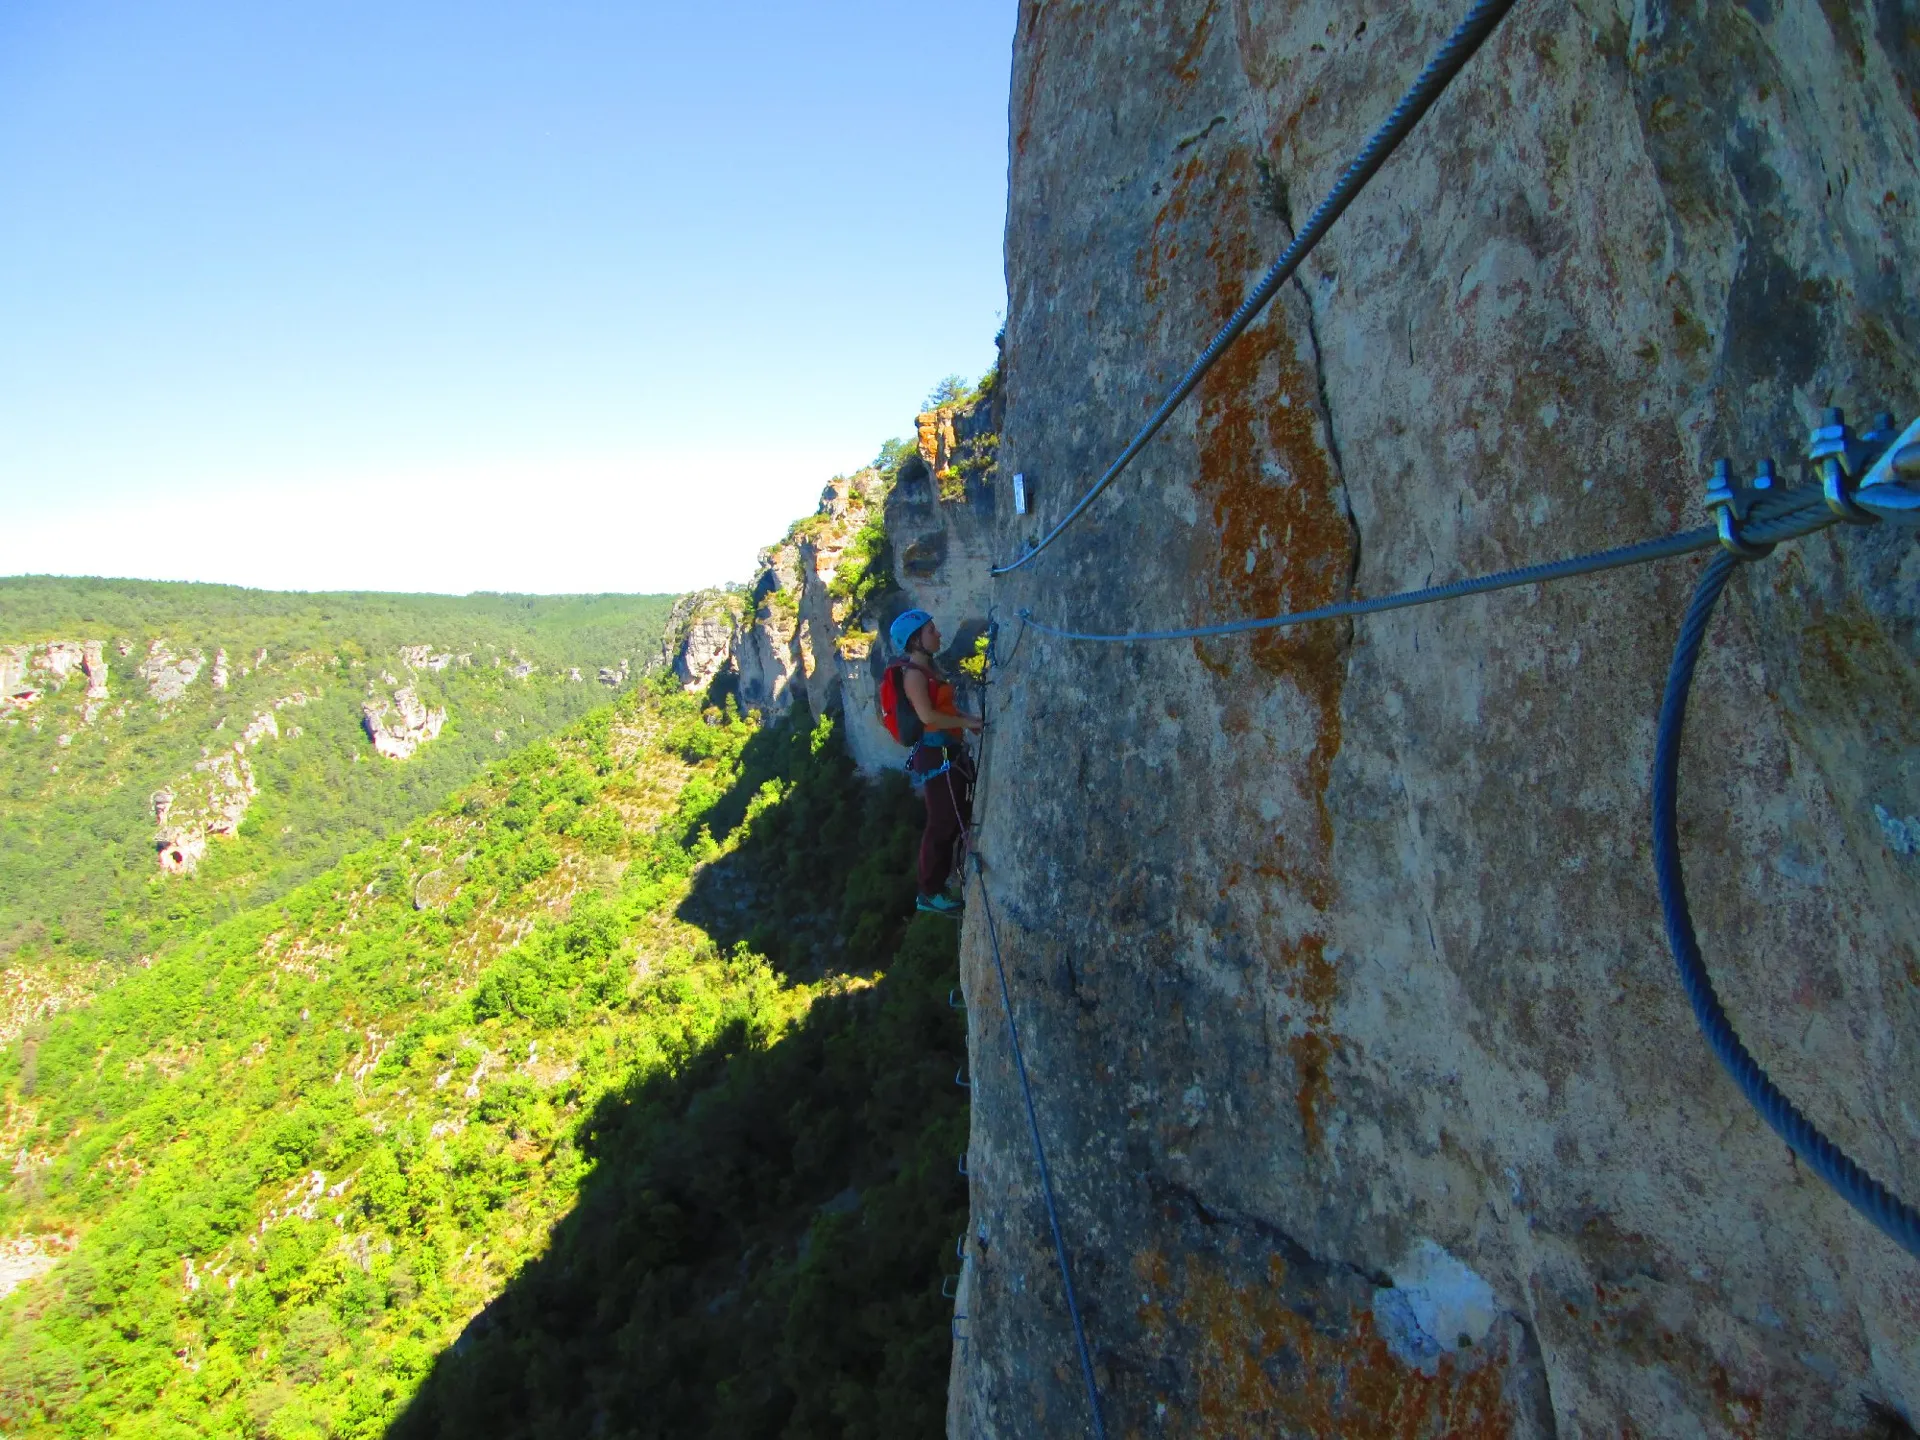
245 709
614 1095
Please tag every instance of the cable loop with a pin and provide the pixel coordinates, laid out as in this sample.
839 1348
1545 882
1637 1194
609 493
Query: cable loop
1749 522
1894 1217
1731 504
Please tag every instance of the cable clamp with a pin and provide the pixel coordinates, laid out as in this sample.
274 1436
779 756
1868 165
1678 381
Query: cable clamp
1731 504
1890 490
1839 457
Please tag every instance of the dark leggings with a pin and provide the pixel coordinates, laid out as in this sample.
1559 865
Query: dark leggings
949 811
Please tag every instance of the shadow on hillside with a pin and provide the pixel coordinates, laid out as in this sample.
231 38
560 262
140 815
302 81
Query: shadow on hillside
824 879
758 1248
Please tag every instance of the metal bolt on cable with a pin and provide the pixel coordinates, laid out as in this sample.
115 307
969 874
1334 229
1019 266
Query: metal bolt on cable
1720 483
1730 505
1863 479
1835 456
1890 490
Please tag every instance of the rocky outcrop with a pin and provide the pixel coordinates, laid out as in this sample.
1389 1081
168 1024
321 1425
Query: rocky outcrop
13 671
212 801
401 723
424 657
813 620
1336 953
93 662
28 672
27 1257
697 643
59 659
168 675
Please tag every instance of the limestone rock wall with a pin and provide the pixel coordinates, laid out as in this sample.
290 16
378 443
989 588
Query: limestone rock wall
940 518
168 675
696 644
798 632
212 801
400 723
1373 1105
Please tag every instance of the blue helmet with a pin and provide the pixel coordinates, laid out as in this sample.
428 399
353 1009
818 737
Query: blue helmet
905 626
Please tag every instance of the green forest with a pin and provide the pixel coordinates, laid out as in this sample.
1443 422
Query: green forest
613 1096
80 886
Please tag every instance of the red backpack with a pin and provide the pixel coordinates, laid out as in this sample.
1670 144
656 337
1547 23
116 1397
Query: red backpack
903 722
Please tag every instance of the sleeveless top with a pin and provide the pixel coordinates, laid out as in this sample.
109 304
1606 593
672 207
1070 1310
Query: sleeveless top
941 695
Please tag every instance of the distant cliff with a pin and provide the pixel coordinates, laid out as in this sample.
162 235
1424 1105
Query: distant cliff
1373 1104
239 740
909 530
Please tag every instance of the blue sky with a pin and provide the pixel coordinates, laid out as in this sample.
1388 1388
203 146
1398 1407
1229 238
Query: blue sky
426 296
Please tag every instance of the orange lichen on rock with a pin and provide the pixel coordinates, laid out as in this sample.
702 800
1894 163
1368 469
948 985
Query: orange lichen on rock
1313 982
1254 1365
1313 1086
1186 68
1163 245
1283 542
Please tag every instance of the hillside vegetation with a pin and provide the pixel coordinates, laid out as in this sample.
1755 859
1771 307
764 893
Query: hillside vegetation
625 1069
190 674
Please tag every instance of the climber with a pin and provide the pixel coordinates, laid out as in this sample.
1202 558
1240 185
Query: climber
917 705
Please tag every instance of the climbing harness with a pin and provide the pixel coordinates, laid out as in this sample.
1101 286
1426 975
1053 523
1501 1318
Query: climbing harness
918 780
1447 62
1749 522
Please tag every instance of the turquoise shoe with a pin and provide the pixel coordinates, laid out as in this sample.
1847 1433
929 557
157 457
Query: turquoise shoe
937 905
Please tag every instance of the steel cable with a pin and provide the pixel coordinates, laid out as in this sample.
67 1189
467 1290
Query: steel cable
1040 1157
1791 513
1685 543
1896 1219
1447 62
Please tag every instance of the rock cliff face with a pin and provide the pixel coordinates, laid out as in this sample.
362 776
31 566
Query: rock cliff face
814 618
28 671
1372 1102
168 675
213 799
93 660
698 641
400 724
